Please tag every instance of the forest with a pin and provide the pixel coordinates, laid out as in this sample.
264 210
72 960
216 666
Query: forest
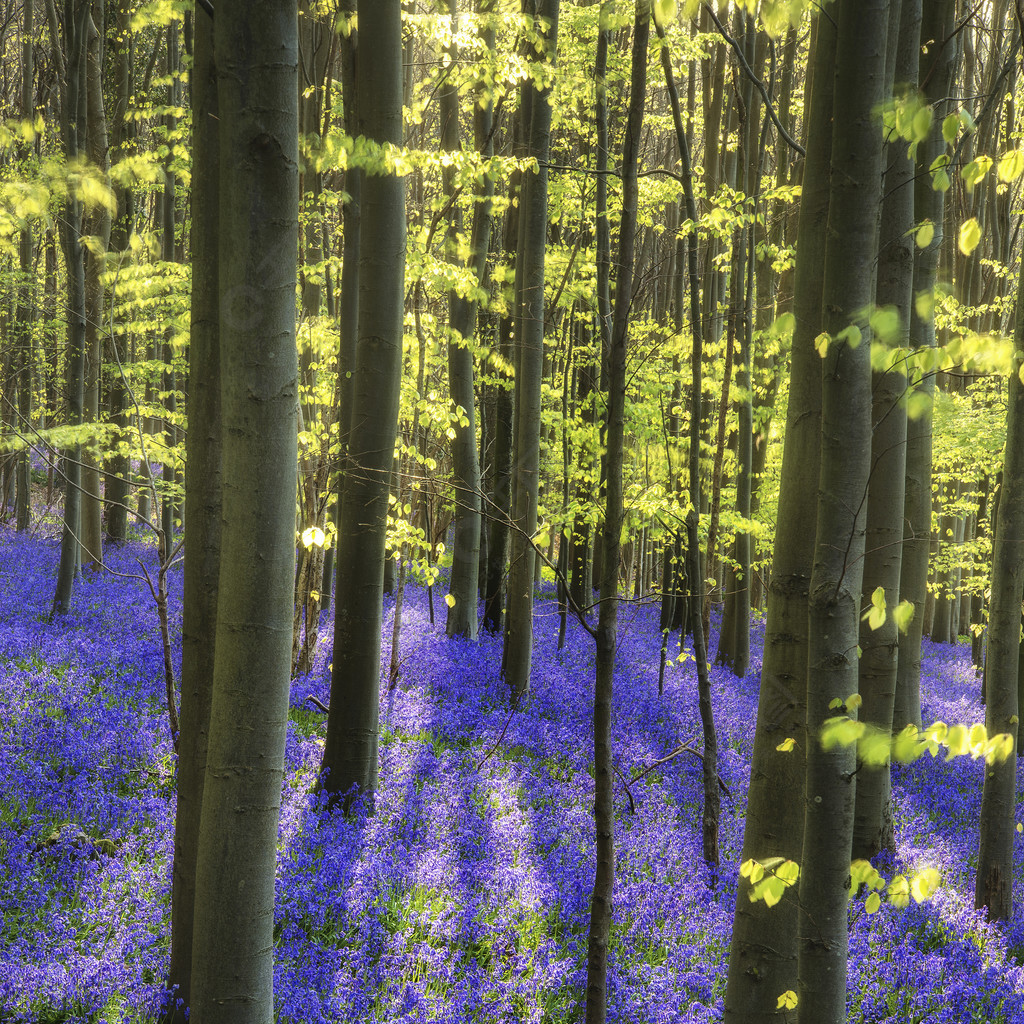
511 511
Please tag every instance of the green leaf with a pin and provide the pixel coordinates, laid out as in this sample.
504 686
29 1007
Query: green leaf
919 403
1011 166
975 171
841 732
921 124
924 305
664 11
851 335
957 742
449 600
899 892
786 745
872 903
925 234
903 614
821 344
950 127
969 236
885 324
874 748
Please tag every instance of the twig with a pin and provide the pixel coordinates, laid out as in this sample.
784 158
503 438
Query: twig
758 84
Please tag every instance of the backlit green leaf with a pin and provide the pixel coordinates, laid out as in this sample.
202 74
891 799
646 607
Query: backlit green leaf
1011 166
969 236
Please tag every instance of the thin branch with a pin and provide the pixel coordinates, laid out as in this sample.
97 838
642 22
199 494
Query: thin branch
758 84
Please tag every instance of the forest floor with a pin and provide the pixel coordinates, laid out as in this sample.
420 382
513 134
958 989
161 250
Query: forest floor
465 897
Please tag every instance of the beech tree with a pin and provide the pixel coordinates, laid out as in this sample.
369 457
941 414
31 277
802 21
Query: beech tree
350 754
256 58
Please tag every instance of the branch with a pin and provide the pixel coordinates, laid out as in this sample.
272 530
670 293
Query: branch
758 84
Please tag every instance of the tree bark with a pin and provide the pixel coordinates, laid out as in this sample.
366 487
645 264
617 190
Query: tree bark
529 376
834 603
872 827
202 511
604 810
763 957
256 53
938 62
349 764
994 882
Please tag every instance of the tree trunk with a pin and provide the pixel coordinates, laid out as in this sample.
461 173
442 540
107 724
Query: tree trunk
349 764
529 376
462 615
762 961
257 75
71 60
834 605
937 64
994 883
202 511
604 810
872 828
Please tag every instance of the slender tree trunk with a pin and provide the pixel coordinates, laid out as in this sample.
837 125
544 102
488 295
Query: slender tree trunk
71 60
202 511
938 60
350 755
529 375
116 485
604 810
257 79
97 226
462 615
23 359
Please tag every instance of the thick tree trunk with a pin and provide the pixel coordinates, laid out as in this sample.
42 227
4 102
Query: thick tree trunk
350 756
257 79
872 828
763 958
994 884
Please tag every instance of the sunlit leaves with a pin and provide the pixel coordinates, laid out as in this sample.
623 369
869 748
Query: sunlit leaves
924 235
969 236
769 879
314 537
665 12
1011 165
787 1001
903 614
786 745
940 176
876 746
975 171
875 615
